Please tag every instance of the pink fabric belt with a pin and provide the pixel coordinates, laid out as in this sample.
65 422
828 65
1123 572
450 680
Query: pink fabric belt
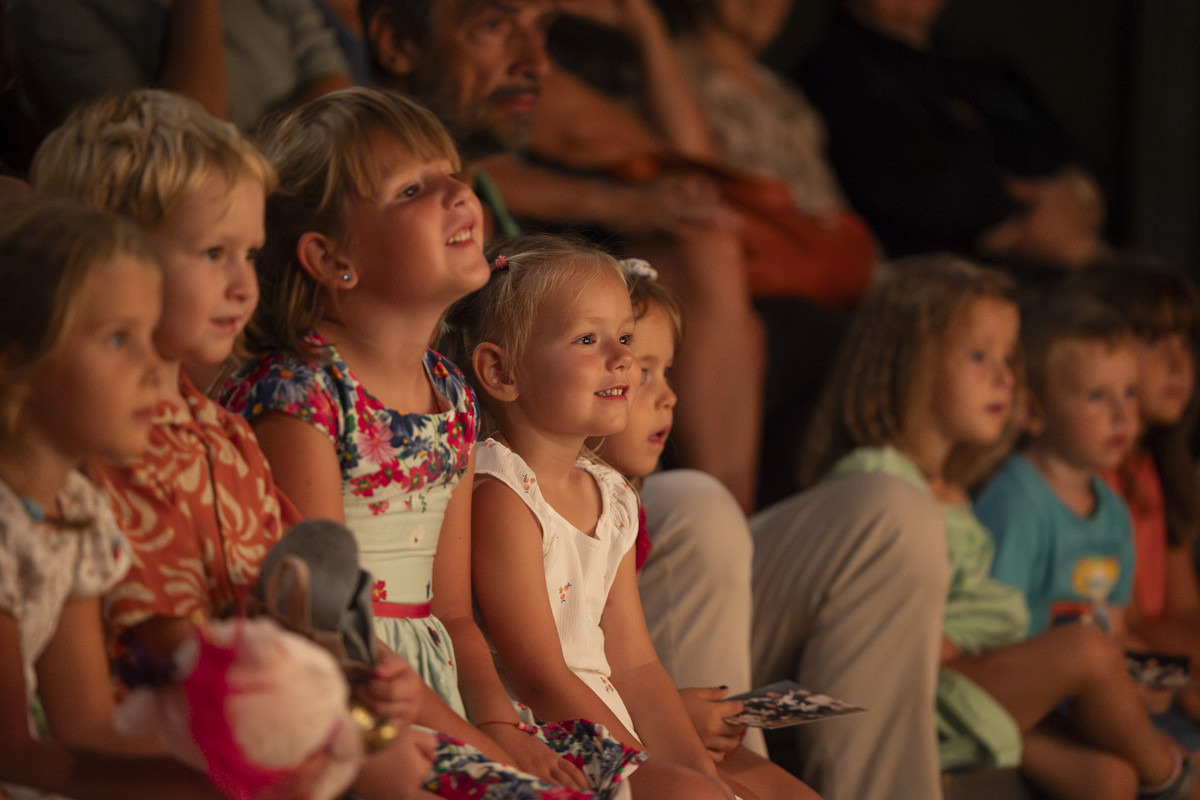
382 608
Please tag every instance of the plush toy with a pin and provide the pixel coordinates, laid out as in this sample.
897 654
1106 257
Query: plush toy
263 711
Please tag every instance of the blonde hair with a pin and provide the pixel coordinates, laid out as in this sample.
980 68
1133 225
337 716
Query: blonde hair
48 249
140 153
325 153
646 293
888 349
528 271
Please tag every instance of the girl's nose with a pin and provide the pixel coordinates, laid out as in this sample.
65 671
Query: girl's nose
243 280
622 357
667 397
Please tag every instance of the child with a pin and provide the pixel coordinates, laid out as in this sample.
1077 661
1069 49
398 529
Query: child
553 564
927 375
692 549
1156 479
1062 536
199 507
78 380
370 239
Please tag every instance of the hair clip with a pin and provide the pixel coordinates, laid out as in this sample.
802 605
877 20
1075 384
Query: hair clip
639 267
499 264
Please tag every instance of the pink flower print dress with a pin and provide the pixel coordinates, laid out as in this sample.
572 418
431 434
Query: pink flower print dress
398 471
579 568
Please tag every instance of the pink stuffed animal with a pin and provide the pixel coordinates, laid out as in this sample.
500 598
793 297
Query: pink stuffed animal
265 712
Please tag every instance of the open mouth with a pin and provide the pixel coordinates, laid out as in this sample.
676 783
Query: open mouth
616 391
465 235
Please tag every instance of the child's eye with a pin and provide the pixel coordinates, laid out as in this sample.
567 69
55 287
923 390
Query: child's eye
116 340
627 339
645 377
586 339
252 254
409 192
977 356
214 253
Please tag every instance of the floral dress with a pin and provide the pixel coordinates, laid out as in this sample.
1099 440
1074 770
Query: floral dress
398 472
43 567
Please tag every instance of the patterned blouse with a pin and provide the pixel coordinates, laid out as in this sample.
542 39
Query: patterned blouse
200 510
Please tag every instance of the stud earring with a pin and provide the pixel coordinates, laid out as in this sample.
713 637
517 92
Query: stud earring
346 277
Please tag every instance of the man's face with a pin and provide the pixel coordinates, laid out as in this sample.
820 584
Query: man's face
480 70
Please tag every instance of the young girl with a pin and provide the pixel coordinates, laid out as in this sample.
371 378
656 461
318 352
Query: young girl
927 374
553 561
79 377
370 239
198 505
1157 479
693 549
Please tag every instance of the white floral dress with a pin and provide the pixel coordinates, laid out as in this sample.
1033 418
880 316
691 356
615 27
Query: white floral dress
398 471
579 568
43 566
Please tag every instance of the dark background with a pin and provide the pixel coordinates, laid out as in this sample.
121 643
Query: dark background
1122 75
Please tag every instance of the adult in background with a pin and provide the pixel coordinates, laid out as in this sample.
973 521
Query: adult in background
240 59
942 152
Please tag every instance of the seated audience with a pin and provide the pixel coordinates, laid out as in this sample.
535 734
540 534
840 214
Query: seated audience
939 151
240 59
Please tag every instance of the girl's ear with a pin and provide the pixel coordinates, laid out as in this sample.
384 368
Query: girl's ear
1032 419
318 256
494 372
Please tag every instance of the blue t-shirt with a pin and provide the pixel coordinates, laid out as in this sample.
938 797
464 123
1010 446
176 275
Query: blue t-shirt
1047 550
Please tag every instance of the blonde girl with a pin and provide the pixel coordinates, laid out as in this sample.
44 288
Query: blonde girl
198 505
549 338
79 377
927 374
370 238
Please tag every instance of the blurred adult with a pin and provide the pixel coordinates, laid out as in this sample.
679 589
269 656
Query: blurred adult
240 59
483 69
940 151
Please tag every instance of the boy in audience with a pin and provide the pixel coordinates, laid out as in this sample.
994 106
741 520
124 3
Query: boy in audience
1062 536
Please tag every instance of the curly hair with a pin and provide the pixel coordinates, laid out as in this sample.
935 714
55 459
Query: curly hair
138 154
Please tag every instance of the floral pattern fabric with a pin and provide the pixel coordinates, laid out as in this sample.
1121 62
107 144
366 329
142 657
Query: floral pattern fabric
200 511
43 566
461 772
398 472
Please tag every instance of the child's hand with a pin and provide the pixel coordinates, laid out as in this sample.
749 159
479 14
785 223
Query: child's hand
394 690
708 711
531 755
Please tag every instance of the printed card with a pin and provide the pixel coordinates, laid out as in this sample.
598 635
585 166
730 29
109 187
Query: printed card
1160 670
778 705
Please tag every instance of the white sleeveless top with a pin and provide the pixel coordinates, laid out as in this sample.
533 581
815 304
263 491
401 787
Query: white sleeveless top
579 568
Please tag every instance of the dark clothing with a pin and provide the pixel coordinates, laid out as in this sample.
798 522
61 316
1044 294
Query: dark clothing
923 141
